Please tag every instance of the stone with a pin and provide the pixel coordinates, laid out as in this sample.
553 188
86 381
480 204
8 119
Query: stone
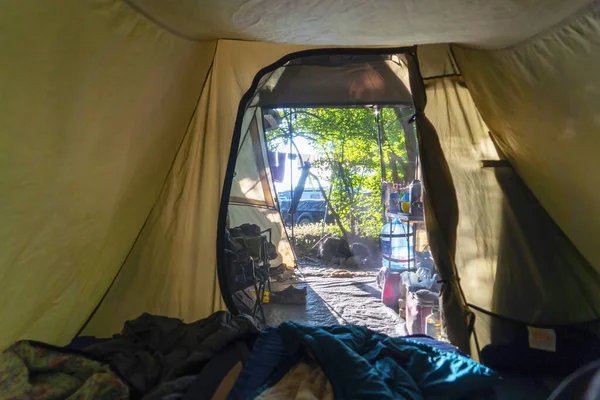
337 260
354 262
360 250
369 262
334 247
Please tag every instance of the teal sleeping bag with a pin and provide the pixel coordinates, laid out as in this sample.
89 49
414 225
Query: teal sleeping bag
362 364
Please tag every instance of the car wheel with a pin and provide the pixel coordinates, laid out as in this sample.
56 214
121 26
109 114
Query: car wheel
304 220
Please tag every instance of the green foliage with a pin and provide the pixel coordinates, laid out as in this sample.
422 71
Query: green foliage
347 142
307 236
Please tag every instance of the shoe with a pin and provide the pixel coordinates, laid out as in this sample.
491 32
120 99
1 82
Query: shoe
277 270
289 295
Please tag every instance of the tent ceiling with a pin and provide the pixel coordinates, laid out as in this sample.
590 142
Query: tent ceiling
490 23
362 82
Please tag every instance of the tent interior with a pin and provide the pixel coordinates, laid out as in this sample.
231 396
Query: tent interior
132 128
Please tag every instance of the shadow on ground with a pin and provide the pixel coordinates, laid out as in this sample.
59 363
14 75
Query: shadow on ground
337 300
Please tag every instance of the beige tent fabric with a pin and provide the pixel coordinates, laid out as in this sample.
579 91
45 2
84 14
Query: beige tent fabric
168 272
251 183
441 209
512 260
171 269
540 100
95 101
252 198
466 142
357 22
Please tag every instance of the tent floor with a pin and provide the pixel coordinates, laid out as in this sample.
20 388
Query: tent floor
337 300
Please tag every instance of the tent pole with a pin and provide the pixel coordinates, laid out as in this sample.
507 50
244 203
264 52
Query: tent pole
381 162
291 178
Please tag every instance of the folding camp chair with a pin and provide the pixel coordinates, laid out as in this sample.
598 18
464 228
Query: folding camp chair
244 274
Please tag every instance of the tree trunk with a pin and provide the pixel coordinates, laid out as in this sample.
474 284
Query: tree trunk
381 139
352 219
333 212
410 140
394 160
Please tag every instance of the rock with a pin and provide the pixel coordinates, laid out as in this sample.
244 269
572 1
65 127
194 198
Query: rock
337 260
354 262
360 250
369 262
334 247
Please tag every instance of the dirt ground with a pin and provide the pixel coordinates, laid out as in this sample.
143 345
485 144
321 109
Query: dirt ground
336 296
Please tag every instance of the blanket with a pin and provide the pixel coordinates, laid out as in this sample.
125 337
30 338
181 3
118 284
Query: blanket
364 364
305 381
31 370
152 351
360 363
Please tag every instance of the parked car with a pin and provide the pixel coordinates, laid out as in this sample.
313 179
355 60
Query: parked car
308 211
308 193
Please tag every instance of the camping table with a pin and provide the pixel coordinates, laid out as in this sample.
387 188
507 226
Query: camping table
410 219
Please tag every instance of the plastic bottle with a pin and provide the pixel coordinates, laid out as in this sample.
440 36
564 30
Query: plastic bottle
424 276
416 204
394 245
434 324
394 202
415 191
402 308
405 203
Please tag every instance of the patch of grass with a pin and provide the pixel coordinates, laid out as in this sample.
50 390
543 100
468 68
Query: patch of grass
306 236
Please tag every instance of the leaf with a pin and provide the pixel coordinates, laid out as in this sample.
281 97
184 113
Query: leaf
346 140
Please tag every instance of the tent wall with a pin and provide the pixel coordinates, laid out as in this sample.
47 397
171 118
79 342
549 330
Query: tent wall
251 182
511 258
465 142
253 195
171 268
540 100
441 208
95 101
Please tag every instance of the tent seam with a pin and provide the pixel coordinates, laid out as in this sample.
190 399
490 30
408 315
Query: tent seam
441 76
208 74
535 325
155 21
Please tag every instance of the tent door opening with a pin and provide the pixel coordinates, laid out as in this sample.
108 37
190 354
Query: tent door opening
259 234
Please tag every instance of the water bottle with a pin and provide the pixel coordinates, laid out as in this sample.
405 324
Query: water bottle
424 276
394 203
415 191
395 237
416 204
434 324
